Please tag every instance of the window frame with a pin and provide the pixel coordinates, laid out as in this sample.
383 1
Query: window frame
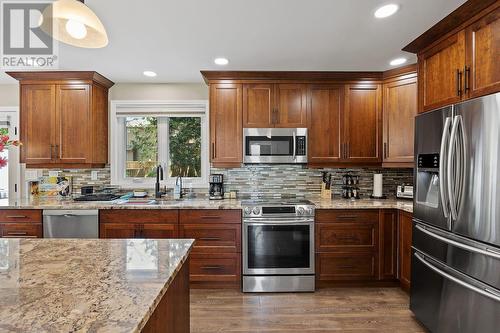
186 108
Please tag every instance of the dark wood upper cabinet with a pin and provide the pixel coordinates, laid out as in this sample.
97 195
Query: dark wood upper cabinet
37 119
291 105
441 73
64 119
325 123
274 105
458 57
482 40
363 120
399 111
226 131
258 105
73 121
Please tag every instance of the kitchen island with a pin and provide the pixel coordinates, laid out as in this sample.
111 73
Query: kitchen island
98 285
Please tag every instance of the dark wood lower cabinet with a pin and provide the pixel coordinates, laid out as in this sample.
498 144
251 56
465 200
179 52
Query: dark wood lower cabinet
172 314
346 266
388 269
215 270
21 223
405 239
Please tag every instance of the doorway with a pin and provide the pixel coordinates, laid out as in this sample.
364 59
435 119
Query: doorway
10 174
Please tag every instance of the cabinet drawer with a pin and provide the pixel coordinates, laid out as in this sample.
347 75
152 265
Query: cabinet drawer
210 216
346 266
21 230
138 216
215 267
21 215
346 236
346 215
213 237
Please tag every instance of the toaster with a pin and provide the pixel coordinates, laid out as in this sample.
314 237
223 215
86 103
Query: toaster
404 192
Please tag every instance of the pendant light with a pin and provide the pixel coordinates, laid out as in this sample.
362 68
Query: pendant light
74 23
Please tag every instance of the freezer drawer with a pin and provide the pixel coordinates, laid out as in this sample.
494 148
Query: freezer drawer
447 301
70 224
475 259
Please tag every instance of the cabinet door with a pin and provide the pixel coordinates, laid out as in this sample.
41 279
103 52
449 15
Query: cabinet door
324 119
258 105
348 266
405 239
212 238
291 103
226 129
388 244
21 230
400 109
119 230
73 116
482 76
362 126
38 119
440 73
158 231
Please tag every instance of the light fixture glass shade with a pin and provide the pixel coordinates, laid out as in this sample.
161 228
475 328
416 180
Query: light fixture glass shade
74 23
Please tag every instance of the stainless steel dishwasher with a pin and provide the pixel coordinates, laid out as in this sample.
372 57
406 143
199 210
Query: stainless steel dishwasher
81 223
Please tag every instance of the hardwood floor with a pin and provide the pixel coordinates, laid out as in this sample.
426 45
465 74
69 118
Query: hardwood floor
327 310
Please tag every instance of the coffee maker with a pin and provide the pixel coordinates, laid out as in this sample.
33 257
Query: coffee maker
216 187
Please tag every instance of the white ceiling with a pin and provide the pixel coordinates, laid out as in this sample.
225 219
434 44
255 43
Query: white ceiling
179 38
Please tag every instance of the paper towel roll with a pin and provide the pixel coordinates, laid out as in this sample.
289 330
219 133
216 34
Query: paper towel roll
377 185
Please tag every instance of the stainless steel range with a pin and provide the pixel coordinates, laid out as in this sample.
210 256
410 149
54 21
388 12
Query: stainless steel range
278 246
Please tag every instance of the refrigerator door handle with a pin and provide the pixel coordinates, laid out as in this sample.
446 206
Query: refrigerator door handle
450 172
487 292
456 243
442 167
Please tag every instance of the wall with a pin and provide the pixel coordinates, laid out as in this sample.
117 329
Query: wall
171 91
9 95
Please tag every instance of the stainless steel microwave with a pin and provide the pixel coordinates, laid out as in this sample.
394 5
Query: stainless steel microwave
275 145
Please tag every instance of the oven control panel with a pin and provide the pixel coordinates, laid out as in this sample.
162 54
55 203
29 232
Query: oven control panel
278 211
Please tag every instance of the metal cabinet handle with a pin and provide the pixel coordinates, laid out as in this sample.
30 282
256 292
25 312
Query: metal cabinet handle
58 155
16 216
346 266
347 217
466 78
210 217
51 151
213 150
211 267
209 238
487 292
459 83
17 233
385 149
347 238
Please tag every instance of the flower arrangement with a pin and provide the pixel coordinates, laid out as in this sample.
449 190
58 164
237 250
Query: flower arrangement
5 142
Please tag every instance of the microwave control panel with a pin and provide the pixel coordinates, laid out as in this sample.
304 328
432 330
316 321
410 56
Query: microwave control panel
301 146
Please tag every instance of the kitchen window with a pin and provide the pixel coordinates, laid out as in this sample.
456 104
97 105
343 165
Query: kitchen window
146 134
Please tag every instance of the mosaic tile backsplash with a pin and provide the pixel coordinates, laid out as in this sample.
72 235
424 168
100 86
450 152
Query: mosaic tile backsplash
299 181
273 180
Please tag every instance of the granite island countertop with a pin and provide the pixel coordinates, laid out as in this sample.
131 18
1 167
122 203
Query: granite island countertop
70 285
201 203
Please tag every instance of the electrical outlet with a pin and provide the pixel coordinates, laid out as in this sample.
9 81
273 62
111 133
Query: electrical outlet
93 175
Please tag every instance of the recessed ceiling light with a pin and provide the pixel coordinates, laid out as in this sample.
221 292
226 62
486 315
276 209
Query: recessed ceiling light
397 61
149 73
221 61
386 11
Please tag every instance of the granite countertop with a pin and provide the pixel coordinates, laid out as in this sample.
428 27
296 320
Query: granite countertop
201 203
62 285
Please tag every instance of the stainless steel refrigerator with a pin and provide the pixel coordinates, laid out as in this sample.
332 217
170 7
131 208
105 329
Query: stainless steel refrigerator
455 282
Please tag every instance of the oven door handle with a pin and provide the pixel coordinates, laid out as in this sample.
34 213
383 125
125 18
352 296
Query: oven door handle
277 221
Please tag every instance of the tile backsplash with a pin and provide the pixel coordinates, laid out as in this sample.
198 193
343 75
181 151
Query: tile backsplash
299 181
271 180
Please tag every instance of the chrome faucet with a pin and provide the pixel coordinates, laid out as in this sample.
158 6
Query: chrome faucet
159 176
